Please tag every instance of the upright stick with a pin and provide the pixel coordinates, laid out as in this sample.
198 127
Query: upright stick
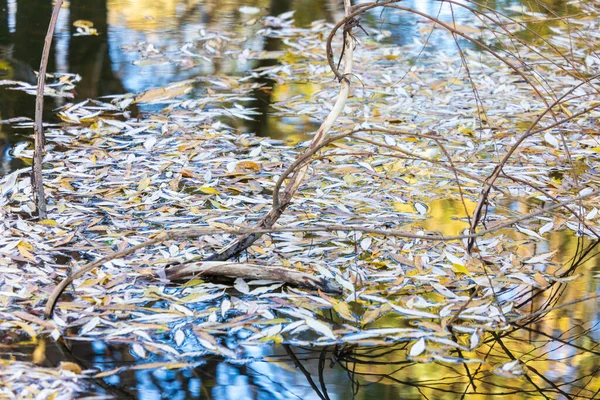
37 180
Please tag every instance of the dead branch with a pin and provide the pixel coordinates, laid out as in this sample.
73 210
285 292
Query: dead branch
249 271
37 179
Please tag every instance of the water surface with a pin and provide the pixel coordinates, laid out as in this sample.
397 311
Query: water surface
562 347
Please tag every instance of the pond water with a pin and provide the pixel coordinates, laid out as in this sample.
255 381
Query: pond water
563 346
108 66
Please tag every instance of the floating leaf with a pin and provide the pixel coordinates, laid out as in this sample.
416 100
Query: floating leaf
417 348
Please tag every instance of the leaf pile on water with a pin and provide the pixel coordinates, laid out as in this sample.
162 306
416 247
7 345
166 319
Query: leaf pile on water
121 181
60 85
57 383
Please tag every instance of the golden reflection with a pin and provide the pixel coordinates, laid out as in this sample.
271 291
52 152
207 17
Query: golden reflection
145 14
447 216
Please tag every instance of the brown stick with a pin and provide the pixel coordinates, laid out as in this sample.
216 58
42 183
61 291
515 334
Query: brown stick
37 180
251 271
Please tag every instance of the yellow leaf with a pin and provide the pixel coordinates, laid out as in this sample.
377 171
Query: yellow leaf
144 183
70 366
565 110
64 183
24 245
466 131
259 250
248 165
192 283
370 316
277 339
48 222
39 354
27 328
289 58
25 250
82 23
460 269
208 190
217 205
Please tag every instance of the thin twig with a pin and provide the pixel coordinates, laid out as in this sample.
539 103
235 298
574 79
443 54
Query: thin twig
37 179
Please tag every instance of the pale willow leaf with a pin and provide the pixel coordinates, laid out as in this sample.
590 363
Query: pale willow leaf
421 208
149 143
320 327
417 348
212 317
390 140
265 289
139 350
509 366
225 306
272 331
366 243
256 152
528 232
11 181
207 344
182 309
444 312
443 290
91 324
454 260
179 337
366 165
241 286
165 348
547 227
143 335
474 341
551 140
201 297
413 313
371 333
325 272
55 334
346 284
540 258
